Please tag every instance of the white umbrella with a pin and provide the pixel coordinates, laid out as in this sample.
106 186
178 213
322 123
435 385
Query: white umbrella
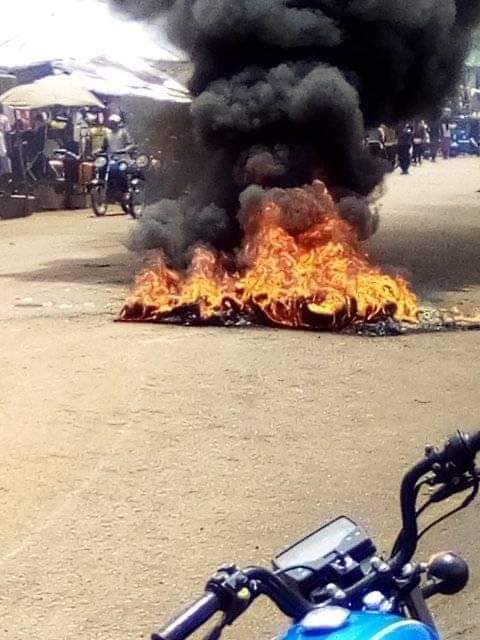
50 91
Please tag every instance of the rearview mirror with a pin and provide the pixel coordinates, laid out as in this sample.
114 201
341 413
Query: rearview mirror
449 574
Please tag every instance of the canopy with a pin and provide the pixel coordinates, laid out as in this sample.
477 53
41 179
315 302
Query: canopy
107 78
50 91
103 52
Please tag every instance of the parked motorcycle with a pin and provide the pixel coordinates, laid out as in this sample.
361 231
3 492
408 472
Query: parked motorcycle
119 178
70 176
462 144
334 585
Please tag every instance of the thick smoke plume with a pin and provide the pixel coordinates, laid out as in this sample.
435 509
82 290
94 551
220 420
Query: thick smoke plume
283 91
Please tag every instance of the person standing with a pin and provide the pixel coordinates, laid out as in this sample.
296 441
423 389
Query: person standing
419 142
435 140
80 132
390 138
97 133
118 138
36 142
376 142
5 164
446 129
405 141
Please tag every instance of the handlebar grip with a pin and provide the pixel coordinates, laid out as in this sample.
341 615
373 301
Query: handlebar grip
190 619
460 449
473 441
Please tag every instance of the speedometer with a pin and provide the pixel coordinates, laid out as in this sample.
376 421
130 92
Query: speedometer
331 553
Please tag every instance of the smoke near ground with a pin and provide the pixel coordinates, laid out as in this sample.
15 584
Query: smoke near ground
284 90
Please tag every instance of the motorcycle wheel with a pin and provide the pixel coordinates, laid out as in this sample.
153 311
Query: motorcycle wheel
135 201
98 196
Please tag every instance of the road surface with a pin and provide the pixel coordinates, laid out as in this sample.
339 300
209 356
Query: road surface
134 459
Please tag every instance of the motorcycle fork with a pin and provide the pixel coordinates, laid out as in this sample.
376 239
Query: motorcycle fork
417 608
106 181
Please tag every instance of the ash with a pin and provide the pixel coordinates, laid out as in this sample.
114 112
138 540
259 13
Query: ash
429 321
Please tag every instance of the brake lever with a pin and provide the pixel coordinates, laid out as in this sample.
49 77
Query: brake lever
472 482
453 486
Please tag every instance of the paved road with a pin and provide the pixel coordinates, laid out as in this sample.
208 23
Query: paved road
134 459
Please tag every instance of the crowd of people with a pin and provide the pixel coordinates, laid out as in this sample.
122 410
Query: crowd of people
30 139
412 142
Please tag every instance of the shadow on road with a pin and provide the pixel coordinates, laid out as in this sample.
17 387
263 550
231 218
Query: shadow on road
437 252
112 269
435 258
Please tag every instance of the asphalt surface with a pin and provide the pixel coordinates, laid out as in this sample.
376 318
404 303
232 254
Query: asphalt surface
134 459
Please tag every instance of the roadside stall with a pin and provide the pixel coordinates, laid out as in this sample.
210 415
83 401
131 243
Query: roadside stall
45 161
115 60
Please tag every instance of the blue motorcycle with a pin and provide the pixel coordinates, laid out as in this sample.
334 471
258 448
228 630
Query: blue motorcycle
119 178
334 586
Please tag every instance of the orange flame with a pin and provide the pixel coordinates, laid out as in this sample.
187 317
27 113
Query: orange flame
317 277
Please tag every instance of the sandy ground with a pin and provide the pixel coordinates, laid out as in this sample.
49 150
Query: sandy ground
135 459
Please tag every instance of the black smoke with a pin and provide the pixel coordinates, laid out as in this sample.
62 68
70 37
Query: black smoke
284 89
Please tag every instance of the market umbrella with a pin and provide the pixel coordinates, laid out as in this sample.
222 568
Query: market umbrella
59 90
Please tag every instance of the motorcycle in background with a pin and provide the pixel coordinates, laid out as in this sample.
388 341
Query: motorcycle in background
334 585
119 178
70 176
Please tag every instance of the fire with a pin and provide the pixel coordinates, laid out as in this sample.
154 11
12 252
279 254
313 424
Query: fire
284 275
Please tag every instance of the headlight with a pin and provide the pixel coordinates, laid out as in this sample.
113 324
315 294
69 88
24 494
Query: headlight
142 161
100 162
123 166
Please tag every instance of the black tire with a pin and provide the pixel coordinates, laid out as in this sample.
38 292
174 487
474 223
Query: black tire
135 200
98 195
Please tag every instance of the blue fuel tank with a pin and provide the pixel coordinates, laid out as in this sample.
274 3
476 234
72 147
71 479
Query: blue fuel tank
340 624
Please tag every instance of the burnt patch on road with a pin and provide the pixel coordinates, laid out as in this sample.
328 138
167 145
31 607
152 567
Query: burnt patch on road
428 321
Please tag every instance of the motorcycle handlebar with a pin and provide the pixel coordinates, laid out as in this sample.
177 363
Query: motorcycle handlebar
66 152
459 451
190 619
288 600
125 151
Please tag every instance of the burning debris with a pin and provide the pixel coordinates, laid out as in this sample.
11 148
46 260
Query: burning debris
300 266
282 93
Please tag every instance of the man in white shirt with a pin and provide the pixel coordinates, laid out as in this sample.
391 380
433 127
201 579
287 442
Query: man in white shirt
118 137
446 128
